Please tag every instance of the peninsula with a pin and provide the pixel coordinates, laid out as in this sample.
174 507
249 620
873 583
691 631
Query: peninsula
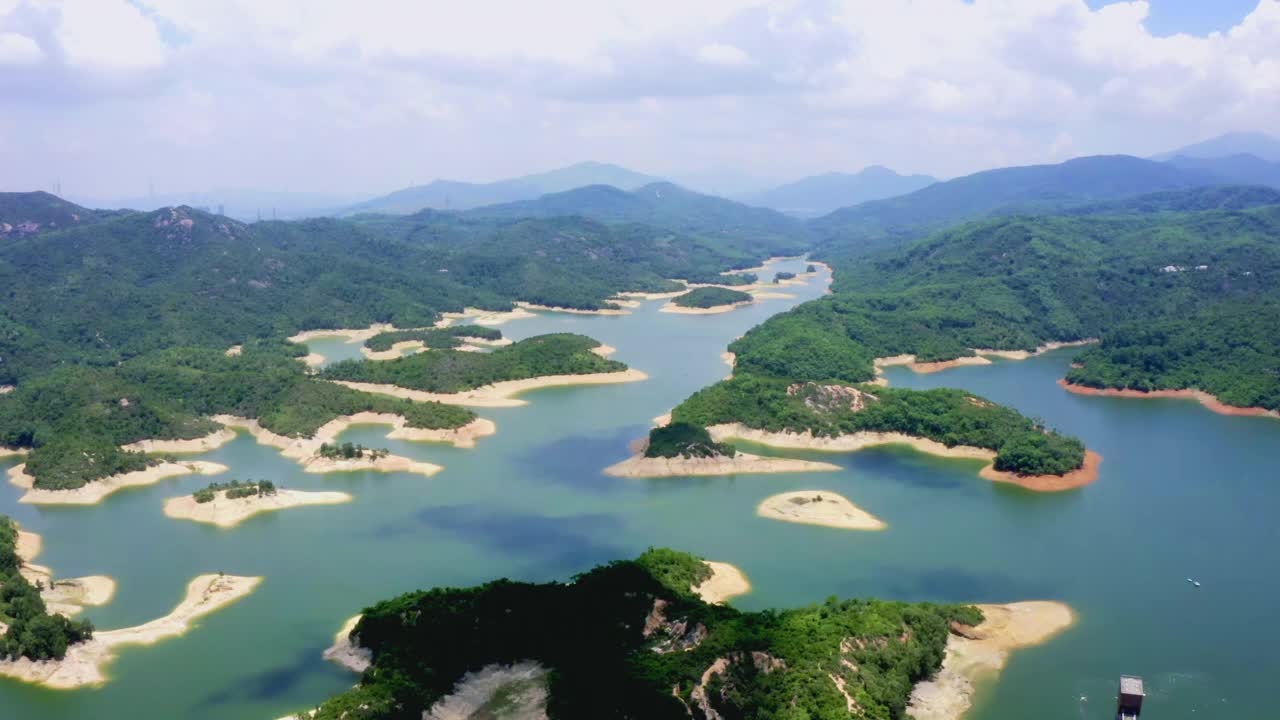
229 504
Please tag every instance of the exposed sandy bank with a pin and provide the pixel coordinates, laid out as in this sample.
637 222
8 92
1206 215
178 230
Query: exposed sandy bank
65 596
486 342
1200 396
1042 349
476 316
771 295
639 466
854 442
11 452
85 662
225 512
93 492
818 507
713 310
973 653
652 296
1080 477
212 441
234 351
573 311
352 335
604 351
925 368
346 653
305 450
500 394
726 582
312 360
6 389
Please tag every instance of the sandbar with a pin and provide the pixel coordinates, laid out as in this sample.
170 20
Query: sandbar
982 651
92 492
225 512
639 466
713 310
85 663
352 335
67 596
1040 350
346 653
818 507
395 352
726 582
499 394
1204 398
574 311
652 295
477 316
604 351
12 452
212 441
305 450
854 442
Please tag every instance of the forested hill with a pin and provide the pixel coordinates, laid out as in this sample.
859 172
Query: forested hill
1035 188
136 282
670 207
1180 300
630 640
29 213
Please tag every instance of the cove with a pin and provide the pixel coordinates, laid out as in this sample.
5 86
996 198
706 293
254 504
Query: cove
1183 492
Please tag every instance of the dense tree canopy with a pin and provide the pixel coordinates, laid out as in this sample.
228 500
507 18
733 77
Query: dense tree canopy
32 631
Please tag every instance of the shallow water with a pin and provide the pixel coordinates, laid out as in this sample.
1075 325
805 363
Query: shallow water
1183 492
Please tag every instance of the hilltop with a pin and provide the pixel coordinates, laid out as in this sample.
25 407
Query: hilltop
821 194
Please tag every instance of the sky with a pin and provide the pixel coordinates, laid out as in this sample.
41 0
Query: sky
113 97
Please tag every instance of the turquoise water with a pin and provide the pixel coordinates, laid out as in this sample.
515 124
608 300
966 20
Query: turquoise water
1183 492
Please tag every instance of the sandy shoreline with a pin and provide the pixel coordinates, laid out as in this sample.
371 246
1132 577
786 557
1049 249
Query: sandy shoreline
12 452
212 441
982 651
818 507
726 582
85 663
226 513
573 311
639 466
854 442
1204 398
1040 350
346 653
500 394
305 450
94 491
395 352
713 310
603 350
653 295
980 357
64 596
477 316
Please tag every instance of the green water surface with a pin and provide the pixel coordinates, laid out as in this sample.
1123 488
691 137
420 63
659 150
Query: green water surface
1183 492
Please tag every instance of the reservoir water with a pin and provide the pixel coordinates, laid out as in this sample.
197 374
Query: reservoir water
1183 492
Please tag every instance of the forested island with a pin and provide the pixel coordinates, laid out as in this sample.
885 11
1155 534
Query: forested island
29 629
75 419
632 639
451 371
446 338
710 297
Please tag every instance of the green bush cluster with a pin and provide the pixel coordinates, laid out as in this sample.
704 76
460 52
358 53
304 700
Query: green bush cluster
434 338
682 439
234 490
32 632
454 371
591 634
349 451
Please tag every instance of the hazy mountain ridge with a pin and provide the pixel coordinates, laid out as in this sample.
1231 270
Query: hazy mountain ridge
818 195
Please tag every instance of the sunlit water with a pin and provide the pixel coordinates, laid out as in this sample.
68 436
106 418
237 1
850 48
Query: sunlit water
1183 492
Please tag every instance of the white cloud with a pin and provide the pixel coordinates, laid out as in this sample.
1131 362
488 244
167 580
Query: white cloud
722 54
18 49
334 95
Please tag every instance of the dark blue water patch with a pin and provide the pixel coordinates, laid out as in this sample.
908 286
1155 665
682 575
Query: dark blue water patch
268 685
578 461
570 540
954 585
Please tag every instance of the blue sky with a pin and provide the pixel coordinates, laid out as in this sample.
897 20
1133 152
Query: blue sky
1194 17
112 96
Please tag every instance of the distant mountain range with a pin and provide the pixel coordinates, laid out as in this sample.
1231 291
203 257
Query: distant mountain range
1029 189
820 194
239 203
454 195
1243 169
1237 143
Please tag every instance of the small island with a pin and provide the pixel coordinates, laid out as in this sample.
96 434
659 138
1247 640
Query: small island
837 417
229 504
683 449
818 507
396 343
486 379
707 301
781 277
649 646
